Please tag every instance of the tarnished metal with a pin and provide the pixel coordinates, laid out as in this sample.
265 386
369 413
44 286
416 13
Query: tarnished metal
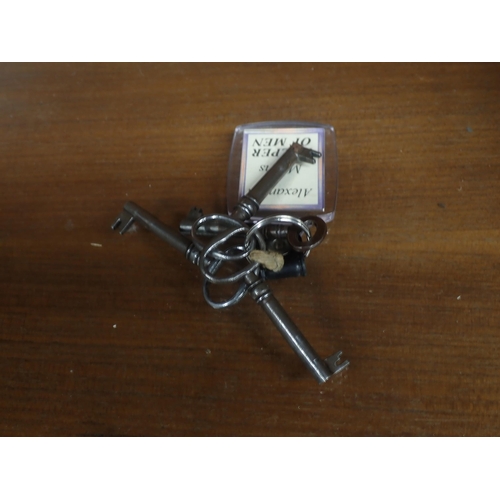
310 242
231 240
249 204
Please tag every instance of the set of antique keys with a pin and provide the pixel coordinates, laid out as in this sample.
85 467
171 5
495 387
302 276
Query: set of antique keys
211 241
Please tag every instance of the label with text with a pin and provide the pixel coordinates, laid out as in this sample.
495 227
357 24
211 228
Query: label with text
302 187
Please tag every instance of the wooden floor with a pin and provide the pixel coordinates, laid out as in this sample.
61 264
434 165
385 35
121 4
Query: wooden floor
102 334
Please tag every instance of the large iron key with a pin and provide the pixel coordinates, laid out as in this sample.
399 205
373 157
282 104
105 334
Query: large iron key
321 369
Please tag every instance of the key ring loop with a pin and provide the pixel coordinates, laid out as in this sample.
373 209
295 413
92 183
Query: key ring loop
277 219
209 251
243 251
305 246
238 295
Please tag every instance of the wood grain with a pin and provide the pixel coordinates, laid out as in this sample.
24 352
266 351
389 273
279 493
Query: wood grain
115 338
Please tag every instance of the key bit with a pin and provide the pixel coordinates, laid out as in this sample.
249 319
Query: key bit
133 212
124 221
333 363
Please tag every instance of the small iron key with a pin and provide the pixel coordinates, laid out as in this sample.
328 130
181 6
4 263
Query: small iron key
249 204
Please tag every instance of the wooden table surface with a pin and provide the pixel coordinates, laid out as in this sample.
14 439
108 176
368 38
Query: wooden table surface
116 339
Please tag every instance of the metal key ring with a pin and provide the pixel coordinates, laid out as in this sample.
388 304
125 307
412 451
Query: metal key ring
276 219
304 246
240 294
209 251
233 300
221 255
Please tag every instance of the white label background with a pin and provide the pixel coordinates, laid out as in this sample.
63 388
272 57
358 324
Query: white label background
302 186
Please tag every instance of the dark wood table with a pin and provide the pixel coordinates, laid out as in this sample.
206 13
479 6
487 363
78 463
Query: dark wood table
102 334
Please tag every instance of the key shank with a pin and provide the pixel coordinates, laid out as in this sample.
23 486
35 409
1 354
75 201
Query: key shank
249 204
319 368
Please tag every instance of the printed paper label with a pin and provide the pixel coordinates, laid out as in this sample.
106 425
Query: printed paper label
302 187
